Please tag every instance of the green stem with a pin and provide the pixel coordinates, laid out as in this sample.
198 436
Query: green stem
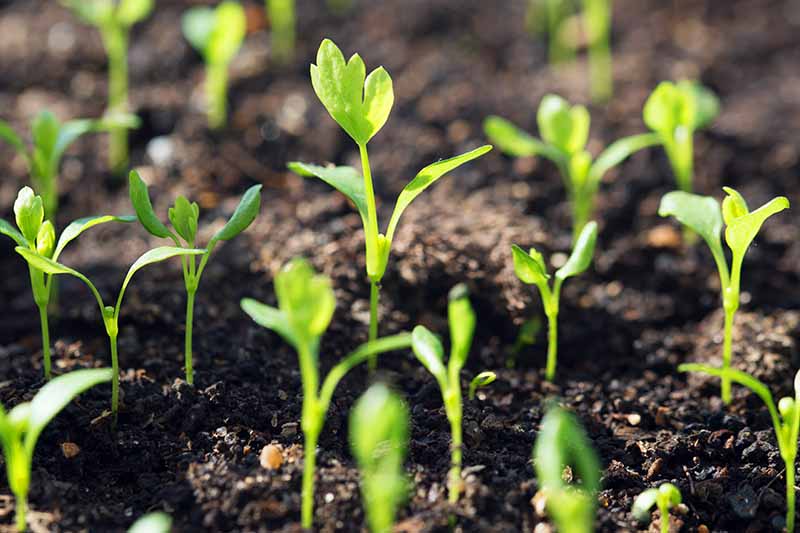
114 378
790 496
456 457
552 346
45 340
371 231
115 38
307 493
374 294
217 94
188 336
21 508
664 509
598 13
726 355
559 51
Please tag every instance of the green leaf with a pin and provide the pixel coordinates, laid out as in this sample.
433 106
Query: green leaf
96 12
10 231
529 267
581 256
346 180
271 318
706 103
619 151
670 493
244 215
662 109
140 199
643 503
481 380
155 255
129 12
46 265
45 128
76 227
741 231
701 214
155 522
565 127
46 239
230 28
10 136
197 24
29 212
516 142
461 318
306 298
733 206
428 349
183 217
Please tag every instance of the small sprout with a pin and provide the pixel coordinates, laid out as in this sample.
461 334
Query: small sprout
562 442
110 314
785 421
565 131
597 18
674 111
38 235
665 497
217 34
483 379
550 17
530 268
282 22
114 19
526 337
305 307
184 216
428 349
155 522
360 104
702 215
379 440
20 428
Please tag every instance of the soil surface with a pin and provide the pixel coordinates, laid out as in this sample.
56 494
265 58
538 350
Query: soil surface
649 303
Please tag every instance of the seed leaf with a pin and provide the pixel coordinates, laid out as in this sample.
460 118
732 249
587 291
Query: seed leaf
29 213
516 142
706 103
346 180
271 318
428 349
481 380
48 266
306 298
244 215
662 109
618 152
76 227
10 231
461 318
741 231
129 12
565 127
701 214
529 268
197 25
46 239
183 216
230 27
155 255
643 503
10 136
144 209
581 256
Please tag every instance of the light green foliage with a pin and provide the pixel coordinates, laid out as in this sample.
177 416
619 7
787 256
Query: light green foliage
562 442
565 132
664 497
674 111
482 379
597 20
702 214
155 522
20 428
305 307
184 218
379 440
282 20
531 269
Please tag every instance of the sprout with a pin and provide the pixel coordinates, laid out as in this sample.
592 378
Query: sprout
38 235
305 307
664 497
217 34
20 428
281 15
785 421
361 104
114 18
597 17
379 440
565 131
549 17
674 111
702 215
562 442
526 337
428 349
110 314
155 522
184 217
483 379
530 268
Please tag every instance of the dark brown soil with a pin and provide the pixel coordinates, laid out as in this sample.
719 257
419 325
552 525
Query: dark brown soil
648 304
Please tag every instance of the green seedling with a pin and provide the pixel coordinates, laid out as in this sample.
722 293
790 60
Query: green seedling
597 21
785 421
184 219
526 337
379 441
549 17
155 522
702 214
361 104
565 132
562 442
38 235
430 352
50 138
20 428
282 20
664 497
114 19
305 307
483 379
674 111
531 269
217 34
110 314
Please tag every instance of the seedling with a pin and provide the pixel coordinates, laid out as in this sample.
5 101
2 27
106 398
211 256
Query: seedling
428 349
664 497
531 269
20 428
597 21
786 424
360 105
305 307
702 215
217 34
549 17
184 217
110 314
38 235
526 337
114 19
282 22
483 379
50 138
674 111
562 442
155 522
565 132
379 440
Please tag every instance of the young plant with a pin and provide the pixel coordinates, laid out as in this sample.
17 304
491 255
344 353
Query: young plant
305 307
20 428
597 20
786 424
428 349
565 132
110 314
674 111
50 138
379 440
155 522
702 215
217 34
38 235
184 218
531 269
114 19
361 104
549 17
483 379
664 497
282 22
562 442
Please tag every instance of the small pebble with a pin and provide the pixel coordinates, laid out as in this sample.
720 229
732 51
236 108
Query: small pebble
664 236
271 457
634 419
70 449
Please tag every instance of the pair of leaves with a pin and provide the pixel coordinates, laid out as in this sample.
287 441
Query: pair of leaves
104 12
685 104
216 33
665 497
